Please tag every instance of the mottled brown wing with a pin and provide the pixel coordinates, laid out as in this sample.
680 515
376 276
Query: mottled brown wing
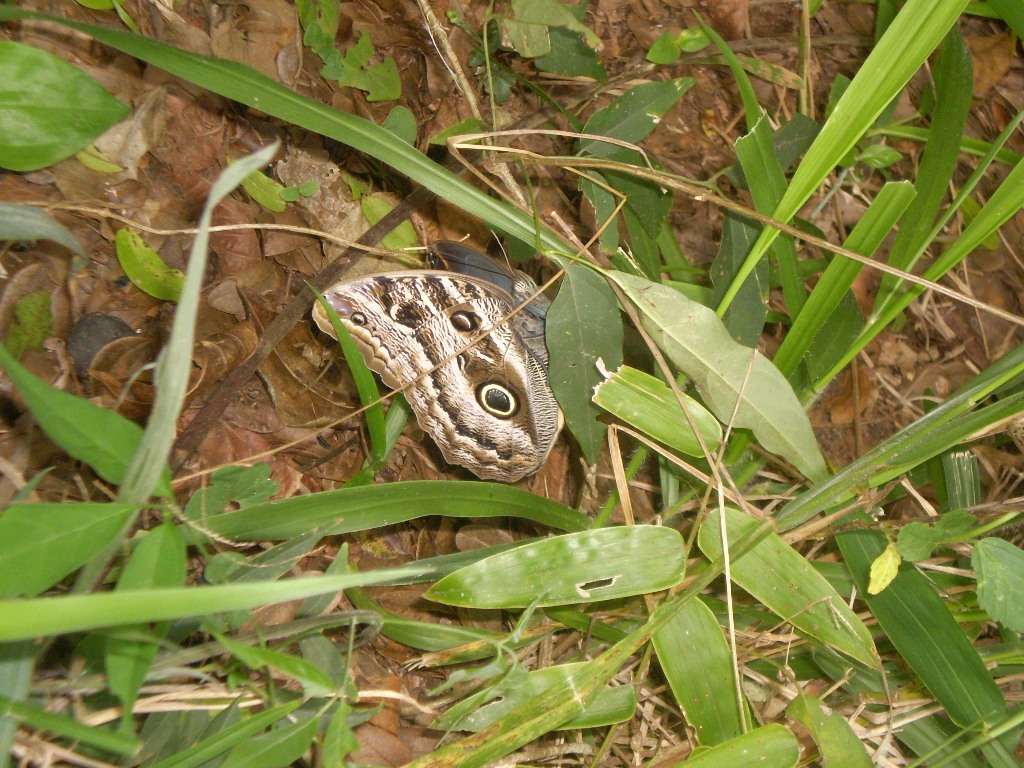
488 406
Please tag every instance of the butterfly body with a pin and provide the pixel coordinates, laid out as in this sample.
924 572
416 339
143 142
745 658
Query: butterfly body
475 378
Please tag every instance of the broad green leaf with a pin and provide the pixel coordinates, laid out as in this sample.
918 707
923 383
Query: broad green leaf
48 109
649 405
363 508
771 746
40 544
838 745
531 20
103 439
1000 569
570 56
31 325
746 315
697 663
573 568
582 326
920 626
696 340
633 116
470 125
146 269
26 222
788 585
339 740
403 236
609 706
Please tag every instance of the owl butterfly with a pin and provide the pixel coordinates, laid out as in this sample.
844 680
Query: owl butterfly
488 406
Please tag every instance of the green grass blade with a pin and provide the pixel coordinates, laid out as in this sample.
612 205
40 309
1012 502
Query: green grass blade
362 508
906 44
926 635
69 728
174 365
876 223
771 746
24 619
247 86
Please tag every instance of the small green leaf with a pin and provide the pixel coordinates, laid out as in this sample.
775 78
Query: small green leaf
401 237
146 269
583 326
573 568
884 569
353 70
95 160
32 323
649 405
401 122
528 27
771 745
916 541
26 222
1000 569
48 109
879 156
265 191
470 125
633 116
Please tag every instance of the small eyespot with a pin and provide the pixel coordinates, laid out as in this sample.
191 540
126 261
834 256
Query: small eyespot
497 400
358 318
464 321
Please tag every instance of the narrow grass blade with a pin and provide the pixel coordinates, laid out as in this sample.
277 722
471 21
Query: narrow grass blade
24 619
149 463
369 395
247 86
906 44
359 509
876 223
69 728
926 635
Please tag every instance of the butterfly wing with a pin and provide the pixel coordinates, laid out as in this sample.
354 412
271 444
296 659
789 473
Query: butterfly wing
488 406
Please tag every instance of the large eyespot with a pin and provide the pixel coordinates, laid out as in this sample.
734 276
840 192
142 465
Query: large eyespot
497 400
358 318
464 321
